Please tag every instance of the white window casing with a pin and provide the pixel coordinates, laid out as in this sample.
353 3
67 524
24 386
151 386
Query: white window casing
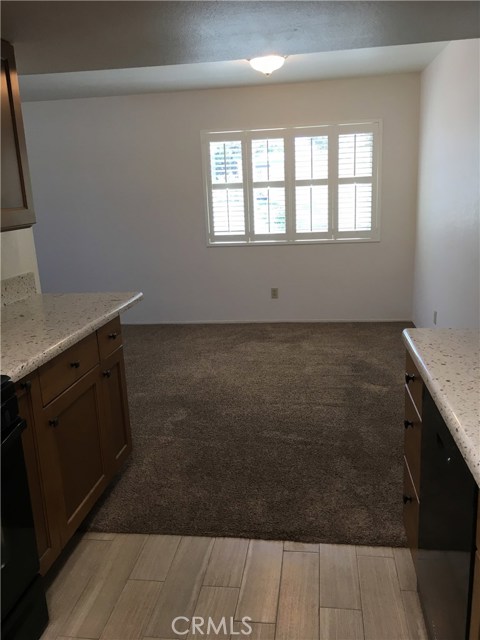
293 185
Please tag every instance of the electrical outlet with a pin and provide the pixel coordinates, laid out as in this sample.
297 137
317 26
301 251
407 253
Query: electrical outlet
434 317
274 293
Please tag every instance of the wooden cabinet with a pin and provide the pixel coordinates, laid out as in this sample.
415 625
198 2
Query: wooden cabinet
17 203
412 438
74 422
60 373
117 441
439 507
78 436
109 338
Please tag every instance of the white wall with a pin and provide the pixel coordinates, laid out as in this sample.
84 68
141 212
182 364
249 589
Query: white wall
119 195
18 254
447 272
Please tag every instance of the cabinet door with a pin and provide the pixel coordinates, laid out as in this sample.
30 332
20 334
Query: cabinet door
17 205
116 434
74 420
47 535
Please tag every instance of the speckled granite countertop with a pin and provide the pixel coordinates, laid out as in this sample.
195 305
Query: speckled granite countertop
37 329
449 362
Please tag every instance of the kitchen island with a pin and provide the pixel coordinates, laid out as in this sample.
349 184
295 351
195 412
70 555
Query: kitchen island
42 326
442 476
65 354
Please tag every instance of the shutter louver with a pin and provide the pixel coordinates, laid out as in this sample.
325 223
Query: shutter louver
228 212
311 158
268 174
354 207
311 209
226 172
355 172
268 160
226 162
311 191
269 210
355 155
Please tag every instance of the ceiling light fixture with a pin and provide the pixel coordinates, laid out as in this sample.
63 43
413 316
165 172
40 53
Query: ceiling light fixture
267 64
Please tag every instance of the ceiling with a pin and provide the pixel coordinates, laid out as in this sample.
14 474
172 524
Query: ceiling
235 73
84 48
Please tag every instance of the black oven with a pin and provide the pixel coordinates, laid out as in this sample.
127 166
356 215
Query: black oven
24 609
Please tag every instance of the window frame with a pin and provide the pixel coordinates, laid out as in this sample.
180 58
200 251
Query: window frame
288 134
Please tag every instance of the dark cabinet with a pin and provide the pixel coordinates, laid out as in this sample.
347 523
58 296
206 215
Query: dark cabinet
17 204
440 506
77 436
74 422
116 426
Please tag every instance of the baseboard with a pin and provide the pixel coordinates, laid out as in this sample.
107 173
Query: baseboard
275 321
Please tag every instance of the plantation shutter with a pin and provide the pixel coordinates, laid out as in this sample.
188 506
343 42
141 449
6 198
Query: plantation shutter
300 184
355 189
268 186
227 202
311 185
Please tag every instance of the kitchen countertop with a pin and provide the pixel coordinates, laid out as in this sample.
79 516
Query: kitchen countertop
37 329
449 362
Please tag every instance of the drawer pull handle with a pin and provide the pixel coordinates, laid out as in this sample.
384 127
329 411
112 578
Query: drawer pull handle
75 364
112 336
53 422
27 385
107 373
407 424
407 499
409 377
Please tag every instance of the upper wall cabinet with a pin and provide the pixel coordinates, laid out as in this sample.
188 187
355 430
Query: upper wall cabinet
17 204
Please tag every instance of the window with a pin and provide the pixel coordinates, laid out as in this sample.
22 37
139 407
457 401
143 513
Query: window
293 185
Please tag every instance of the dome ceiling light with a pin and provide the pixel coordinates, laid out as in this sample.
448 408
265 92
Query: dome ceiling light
267 64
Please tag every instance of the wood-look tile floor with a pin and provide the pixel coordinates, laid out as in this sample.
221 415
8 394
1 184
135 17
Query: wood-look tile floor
131 587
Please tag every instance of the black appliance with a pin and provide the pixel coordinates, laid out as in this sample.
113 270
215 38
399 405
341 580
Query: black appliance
24 608
448 495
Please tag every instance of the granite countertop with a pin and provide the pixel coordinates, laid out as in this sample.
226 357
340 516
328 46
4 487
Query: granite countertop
40 327
449 362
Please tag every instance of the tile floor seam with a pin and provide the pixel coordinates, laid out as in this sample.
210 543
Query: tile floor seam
204 574
278 594
360 590
242 578
113 608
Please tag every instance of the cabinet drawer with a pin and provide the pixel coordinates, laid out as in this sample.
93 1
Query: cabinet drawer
410 509
61 372
412 440
413 383
109 337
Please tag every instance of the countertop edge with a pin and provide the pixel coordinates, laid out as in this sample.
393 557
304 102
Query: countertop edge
34 363
461 438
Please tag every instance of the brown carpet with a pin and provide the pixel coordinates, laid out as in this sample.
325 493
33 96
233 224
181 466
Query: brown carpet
274 431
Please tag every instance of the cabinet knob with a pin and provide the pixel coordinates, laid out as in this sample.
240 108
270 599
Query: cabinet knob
107 373
113 336
75 364
407 424
407 499
53 422
409 377
27 385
